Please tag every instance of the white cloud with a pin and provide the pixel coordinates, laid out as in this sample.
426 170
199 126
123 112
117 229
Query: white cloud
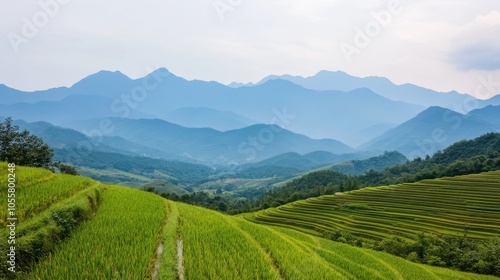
477 46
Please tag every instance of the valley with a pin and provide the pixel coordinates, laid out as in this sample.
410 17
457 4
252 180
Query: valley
129 225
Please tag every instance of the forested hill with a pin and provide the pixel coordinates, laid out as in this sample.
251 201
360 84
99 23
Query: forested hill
357 167
464 157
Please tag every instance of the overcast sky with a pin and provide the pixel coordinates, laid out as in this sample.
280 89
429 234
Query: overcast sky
442 45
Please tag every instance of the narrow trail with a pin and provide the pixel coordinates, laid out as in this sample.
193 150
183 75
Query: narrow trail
159 251
180 264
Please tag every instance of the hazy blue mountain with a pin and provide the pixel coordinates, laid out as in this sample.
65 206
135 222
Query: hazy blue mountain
409 93
11 96
207 117
347 116
73 107
64 138
207 145
435 129
494 101
105 83
351 117
490 114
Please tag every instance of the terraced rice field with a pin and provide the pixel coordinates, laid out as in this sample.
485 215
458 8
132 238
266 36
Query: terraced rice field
131 234
452 205
218 246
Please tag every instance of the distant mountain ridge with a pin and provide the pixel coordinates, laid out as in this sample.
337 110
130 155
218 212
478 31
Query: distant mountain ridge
435 129
409 93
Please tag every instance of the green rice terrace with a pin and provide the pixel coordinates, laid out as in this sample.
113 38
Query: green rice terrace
71 227
452 205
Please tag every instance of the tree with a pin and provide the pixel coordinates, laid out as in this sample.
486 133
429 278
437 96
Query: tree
21 148
65 168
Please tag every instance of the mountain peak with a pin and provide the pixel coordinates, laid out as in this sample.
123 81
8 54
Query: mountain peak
281 84
434 113
101 77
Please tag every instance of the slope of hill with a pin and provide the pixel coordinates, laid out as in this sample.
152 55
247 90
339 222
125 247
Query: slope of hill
289 164
399 215
140 235
357 211
487 145
356 167
435 129
162 186
489 113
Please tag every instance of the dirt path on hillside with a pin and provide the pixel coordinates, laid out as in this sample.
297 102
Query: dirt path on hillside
159 251
180 264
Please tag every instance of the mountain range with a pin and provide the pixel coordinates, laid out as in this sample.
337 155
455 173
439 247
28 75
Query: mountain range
165 116
351 117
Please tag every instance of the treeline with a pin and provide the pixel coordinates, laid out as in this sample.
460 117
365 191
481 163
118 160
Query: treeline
205 200
460 253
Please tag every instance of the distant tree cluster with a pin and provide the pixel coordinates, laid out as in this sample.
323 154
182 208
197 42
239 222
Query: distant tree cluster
22 148
455 252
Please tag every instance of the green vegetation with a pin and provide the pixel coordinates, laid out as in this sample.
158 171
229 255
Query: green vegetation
162 186
216 246
22 148
48 208
131 234
378 163
465 157
394 218
119 243
133 170
38 189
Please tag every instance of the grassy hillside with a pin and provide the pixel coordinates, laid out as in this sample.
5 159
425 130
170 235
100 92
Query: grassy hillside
131 234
